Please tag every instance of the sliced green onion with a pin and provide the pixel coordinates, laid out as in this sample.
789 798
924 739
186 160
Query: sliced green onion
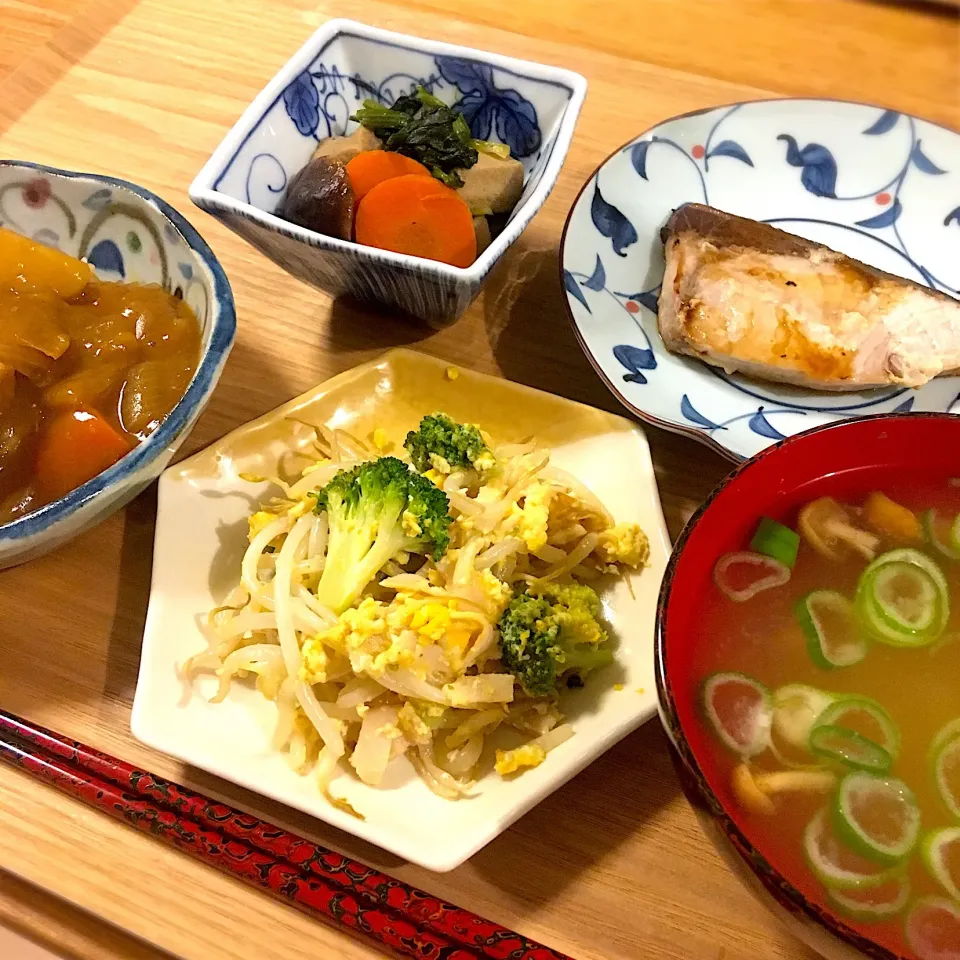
499 150
943 535
833 864
796 708
877 817
946 773
873 903
932 928
866 717
903 599
739 710
829 623
940 852
775 540
851 749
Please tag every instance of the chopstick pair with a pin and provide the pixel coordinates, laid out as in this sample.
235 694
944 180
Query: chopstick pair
308 876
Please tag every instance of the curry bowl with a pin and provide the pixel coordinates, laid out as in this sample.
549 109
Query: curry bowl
705 626
126 233
531 108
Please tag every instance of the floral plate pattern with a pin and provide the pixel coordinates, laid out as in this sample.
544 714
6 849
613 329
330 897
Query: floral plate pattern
876 184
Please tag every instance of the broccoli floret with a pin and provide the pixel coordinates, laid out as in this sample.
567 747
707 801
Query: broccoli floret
375 511
459 445
552 633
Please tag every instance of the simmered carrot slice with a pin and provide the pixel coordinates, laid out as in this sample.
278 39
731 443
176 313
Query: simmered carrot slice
75 447
418 216
371 167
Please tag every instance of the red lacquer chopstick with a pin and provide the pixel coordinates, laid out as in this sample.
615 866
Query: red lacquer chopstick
310 877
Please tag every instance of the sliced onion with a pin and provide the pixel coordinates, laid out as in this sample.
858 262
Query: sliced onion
461 760
777 577
573 559
372 753
327 727
464 504
408 684
498 552
359 690
581 491
481 722
553 738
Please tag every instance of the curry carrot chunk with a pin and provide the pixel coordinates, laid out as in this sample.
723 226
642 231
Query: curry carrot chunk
891 518
371 167
26 265
75 447
418 216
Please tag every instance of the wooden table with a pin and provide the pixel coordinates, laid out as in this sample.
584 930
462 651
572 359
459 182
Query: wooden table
613 865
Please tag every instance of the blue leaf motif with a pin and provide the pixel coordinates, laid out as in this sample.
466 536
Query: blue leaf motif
885 219
819 169
570 285
303 104
729 148
952 217
648 299
478 111
186 270
759 424
922 162
638 157
886 121
635 359
106 256
611 223
517 124
98 199
694 415
904 407
467 76
598 279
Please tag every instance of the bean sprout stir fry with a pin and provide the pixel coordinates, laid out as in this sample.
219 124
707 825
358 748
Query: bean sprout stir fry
412 601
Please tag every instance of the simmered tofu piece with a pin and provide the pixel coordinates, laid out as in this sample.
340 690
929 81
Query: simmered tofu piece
482 229
345 149
492 185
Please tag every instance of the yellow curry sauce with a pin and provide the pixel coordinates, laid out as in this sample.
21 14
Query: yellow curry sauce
88 369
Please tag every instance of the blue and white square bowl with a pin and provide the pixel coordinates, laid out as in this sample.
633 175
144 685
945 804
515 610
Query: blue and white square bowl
125 233
531 107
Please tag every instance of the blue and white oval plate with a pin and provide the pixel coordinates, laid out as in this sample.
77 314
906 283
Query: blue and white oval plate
878 185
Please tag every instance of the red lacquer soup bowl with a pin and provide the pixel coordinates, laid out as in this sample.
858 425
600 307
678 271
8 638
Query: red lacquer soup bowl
844 460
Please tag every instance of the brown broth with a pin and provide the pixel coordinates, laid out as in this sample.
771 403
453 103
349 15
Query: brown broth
920 689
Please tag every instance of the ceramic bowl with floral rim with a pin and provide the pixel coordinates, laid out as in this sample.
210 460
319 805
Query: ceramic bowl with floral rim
126 233
204 503
530 107
877 185
833 460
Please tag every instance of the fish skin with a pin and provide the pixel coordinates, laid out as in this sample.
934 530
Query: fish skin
747 297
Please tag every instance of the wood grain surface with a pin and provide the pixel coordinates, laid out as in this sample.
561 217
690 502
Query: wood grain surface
613 865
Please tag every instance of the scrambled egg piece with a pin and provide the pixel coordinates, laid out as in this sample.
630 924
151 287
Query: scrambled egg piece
435 477
498 593
624 543
440 464
535 515
410 523
377 635
380 438
412 725
510 761
257 521
486 461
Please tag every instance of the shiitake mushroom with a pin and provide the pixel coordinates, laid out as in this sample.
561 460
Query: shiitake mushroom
320 198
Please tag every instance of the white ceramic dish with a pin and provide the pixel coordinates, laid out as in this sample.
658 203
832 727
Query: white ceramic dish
126 233
877 185
531 107
201 535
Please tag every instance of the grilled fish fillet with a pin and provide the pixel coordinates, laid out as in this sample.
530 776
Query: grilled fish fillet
747 297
